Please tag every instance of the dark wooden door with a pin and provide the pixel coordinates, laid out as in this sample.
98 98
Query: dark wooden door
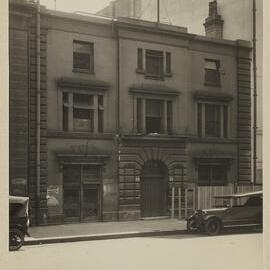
81 198
154 190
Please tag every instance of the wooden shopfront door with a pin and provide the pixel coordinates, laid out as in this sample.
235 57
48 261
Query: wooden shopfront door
81 198
154 189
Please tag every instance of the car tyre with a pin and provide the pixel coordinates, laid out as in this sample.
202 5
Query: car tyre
212 226
16 239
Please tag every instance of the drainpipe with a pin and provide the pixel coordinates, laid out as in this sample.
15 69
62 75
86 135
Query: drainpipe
118 141
115 32
38 113
158 13
254 180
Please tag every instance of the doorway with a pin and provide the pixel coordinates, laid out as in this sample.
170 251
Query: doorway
81 196
154 189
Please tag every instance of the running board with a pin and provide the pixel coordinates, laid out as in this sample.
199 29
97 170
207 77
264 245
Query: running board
241 225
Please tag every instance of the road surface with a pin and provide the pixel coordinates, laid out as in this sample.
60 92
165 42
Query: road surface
185 252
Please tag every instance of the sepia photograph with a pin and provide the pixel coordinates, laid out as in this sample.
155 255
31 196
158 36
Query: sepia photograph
135 134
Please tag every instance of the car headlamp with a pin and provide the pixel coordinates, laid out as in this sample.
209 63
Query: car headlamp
200 212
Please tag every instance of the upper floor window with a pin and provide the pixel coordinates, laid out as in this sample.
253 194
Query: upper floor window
82 112
212 72
212 120
154 64
154 116
83 56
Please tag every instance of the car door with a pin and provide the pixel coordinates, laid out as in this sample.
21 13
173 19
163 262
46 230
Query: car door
247 214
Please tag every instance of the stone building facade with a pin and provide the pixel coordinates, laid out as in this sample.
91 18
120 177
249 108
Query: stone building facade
23 108
233 19
128 111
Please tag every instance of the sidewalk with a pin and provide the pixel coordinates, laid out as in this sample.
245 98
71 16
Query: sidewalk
103 230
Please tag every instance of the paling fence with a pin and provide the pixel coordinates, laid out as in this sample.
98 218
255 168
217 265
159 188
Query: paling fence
185 200
205 194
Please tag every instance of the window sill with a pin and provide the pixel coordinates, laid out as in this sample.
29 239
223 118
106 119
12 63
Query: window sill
83 135
212 84
153 77
213 140
77 70
206 184
140 71
169 75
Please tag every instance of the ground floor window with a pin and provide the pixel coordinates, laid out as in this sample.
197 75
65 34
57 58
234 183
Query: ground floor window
212 175
81 198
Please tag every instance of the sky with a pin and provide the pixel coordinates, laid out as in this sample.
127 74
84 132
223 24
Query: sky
91 6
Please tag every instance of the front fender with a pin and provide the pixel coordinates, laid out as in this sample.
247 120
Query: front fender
207 217
19 227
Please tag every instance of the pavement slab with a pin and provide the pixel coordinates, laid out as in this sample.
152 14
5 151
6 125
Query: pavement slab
103 230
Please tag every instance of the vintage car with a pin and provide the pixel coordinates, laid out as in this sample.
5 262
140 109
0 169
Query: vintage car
18 221
242 209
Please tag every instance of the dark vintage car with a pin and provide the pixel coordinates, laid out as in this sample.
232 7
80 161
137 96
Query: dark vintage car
18 221
243 209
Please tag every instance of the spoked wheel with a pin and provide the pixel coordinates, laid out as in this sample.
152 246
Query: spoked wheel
16 239
191 225
212 227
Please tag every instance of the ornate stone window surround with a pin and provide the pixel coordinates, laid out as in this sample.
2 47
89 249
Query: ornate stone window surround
166 96
221 100
93 88
165 61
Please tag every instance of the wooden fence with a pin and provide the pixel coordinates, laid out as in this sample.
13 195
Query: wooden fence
205 194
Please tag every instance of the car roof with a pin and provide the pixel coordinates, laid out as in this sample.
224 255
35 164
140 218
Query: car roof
241 195
18 199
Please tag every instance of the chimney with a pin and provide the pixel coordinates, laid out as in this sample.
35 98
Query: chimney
213 23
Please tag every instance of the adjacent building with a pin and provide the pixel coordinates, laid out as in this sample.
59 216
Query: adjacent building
123 116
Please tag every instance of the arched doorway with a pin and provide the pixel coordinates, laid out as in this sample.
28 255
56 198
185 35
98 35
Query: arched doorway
154 189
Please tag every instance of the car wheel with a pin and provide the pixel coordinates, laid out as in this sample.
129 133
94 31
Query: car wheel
212 226
16 239
191 225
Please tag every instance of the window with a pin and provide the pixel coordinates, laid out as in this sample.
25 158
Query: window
254 202
83 116
168 62
212 175
82 112
212 120
83 56
154 64
140 59
154 116
212 72
100 113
